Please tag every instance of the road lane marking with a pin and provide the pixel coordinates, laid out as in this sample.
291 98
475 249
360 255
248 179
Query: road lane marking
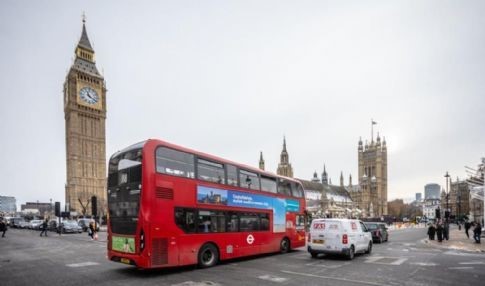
192 283
273 278
335 266
332 278
424 263
464 267
454 252
472 263
385 260
82 264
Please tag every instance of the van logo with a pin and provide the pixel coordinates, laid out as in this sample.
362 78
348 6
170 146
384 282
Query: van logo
250 239
319 226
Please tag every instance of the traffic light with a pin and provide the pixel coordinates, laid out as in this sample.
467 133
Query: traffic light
438 213
447 214
57 209
94 206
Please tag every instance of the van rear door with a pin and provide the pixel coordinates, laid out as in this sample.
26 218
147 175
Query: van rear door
333 234
328 234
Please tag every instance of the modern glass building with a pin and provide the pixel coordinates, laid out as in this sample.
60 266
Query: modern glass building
8 204
432 191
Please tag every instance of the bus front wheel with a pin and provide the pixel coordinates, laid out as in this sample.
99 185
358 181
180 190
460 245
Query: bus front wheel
284 245
208 256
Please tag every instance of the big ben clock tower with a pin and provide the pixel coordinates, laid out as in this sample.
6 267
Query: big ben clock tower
85 116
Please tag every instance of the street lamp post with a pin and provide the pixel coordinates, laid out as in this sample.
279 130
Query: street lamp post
447 211
459 206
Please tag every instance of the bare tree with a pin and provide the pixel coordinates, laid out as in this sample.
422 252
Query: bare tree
84 206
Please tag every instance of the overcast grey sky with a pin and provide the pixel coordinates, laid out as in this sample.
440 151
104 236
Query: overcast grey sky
230 78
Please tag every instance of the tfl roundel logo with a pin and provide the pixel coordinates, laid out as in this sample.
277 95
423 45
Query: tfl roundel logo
250 239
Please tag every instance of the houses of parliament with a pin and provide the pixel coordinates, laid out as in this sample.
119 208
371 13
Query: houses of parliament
85 116
368 198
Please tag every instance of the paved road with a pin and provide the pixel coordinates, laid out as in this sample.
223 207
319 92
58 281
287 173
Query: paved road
27 259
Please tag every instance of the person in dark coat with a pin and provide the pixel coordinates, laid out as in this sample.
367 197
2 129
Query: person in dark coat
477 232
467 228
44 228
446 230
431 231
439 232
3 227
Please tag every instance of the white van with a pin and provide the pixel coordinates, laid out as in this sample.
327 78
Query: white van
339 236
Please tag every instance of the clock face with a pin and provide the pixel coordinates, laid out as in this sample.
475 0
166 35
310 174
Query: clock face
89 95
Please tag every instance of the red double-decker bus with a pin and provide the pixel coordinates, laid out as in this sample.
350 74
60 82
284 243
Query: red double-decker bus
171 206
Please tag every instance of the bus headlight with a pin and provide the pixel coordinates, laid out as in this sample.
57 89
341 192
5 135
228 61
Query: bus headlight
142 240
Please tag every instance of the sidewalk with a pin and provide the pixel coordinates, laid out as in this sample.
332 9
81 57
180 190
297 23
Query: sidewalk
459 241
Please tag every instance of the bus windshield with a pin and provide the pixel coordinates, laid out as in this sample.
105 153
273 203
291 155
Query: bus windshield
124 190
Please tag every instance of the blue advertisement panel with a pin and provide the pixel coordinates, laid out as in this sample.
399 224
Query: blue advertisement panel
238 199
207 195
292 205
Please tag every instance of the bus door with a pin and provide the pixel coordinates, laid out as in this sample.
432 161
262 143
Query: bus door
250 237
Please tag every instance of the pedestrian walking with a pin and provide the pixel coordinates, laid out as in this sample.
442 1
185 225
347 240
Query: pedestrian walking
44 228
431 231
92 230
439 232
477 232
446 230
3 226
467 228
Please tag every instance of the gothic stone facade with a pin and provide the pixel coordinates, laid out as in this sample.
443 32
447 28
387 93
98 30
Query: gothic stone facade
85 115
284 167
371 195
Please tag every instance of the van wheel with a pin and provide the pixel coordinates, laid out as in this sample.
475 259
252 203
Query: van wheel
314 254
208 256
351 253
369 248
284 245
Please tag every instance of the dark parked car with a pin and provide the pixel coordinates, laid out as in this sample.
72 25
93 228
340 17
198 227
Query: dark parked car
70 226
84 223
67 226
15 222
378 230
52 225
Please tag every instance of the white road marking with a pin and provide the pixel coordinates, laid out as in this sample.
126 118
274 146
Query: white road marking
332 278
473 263
192 283
82 264
454 252
424 263
464 267
375 260
335 266
273 278
301 256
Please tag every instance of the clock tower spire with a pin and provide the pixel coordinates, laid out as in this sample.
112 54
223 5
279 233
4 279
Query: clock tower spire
85 116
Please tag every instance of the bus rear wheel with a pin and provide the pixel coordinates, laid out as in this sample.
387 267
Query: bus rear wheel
284 245
208 256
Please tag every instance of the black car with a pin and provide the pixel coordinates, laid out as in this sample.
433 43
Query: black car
378 230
